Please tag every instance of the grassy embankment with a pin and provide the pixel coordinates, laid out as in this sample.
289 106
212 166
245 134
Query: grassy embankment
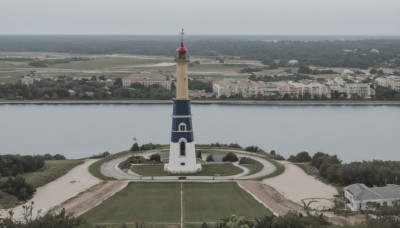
94 168
313 171
160 203
207 170
278 171
52 170
7 200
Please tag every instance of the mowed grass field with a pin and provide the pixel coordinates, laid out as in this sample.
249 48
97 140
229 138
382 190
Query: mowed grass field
207 170
105 62
209 202
148 202
52 170
160 203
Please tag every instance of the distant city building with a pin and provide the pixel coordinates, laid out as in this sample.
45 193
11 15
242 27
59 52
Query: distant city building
71 92
358 195
248 89
392 82
374 51
293 62
27 80
147 79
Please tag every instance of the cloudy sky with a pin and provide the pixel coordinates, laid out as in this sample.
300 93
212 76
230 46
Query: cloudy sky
308 17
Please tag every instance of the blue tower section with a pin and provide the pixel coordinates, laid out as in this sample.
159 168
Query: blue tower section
182 121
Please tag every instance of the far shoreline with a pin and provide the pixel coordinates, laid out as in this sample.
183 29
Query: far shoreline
209 102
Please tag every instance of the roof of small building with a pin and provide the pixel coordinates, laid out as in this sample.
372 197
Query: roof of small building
362 192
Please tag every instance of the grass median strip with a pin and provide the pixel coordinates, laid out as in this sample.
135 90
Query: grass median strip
208 170
94 168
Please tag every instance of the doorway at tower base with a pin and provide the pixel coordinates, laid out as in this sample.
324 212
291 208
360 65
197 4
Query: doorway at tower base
182 164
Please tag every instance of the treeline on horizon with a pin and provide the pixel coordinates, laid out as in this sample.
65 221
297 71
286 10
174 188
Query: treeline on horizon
329 53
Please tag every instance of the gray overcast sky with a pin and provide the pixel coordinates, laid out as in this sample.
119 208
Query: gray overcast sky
325 17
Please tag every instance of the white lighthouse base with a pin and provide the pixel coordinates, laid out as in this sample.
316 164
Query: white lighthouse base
182 163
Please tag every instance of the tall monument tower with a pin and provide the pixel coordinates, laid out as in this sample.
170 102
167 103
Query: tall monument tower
182 154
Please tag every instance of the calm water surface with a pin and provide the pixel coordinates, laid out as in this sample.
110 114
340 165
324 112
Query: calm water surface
351 132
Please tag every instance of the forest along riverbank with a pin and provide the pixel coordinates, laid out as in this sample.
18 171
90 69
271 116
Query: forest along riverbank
222 102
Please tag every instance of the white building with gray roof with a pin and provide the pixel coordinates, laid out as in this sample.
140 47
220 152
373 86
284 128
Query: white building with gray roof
357 195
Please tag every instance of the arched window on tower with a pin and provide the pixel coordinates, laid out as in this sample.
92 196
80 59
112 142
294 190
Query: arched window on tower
182 146
182 127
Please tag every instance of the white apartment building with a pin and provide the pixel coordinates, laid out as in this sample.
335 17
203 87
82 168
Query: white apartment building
147 79
391 81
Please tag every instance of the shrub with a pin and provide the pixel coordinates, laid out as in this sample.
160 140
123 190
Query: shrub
135 147
245 160
136 159
300 157
210 158
155 158
230 157
253 149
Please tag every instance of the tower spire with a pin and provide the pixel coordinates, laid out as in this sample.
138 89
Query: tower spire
182 36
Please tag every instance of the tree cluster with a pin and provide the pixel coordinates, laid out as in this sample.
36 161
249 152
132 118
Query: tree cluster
255 149
200 85
101 155
276 78
54 90
46 62
12 165
230 157
370 173
54 157
18 187
386 93
300 157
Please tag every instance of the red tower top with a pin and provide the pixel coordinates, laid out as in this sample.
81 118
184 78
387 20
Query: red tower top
182 50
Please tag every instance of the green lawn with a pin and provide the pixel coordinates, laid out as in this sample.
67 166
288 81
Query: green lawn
254 167
51 171
209 202
149 202
208 170
7 200
160 203
105 62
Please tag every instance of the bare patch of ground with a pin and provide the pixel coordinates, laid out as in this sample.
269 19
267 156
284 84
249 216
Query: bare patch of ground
270 197
92 197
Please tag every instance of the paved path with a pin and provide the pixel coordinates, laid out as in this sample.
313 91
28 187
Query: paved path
111 169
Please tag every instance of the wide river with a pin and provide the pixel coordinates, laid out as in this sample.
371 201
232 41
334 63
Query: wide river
351 132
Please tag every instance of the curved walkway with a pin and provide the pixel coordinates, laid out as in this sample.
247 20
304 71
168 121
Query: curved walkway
111 169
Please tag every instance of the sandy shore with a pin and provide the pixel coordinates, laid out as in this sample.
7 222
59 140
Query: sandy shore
54 193
205 102
296 185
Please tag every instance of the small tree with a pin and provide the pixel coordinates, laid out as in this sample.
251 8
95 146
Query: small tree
230 157
155 158
135 147
210 158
